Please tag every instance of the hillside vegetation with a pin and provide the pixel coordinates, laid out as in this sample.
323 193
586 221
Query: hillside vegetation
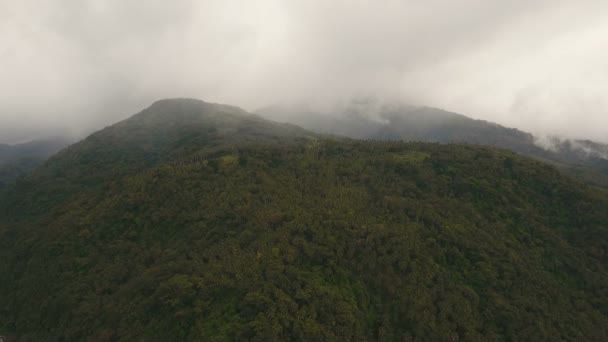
584 160
18 160
196 221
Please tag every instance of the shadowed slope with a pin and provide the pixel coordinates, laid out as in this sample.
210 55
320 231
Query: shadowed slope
195 221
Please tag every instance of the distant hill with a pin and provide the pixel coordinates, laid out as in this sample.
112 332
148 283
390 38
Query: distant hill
585 160
199 221
17 160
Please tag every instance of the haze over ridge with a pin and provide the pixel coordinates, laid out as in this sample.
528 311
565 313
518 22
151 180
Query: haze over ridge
80 65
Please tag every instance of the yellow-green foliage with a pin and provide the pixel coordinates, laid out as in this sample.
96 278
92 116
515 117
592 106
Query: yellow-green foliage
338 241
230 159
411 157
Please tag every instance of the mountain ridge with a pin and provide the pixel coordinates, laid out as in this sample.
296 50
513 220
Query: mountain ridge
584 160
187 222
16 161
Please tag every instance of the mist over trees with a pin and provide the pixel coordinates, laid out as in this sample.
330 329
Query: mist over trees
192 220
359 170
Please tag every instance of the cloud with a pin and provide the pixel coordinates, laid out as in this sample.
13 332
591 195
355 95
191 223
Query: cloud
77 65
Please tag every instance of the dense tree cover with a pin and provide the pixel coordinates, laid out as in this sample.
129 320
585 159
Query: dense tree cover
195 221
13 170
370 119
18 160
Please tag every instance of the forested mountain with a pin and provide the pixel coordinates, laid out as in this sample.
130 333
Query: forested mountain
17 160
368 119
197 221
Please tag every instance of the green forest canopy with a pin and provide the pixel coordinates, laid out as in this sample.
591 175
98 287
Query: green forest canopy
192 220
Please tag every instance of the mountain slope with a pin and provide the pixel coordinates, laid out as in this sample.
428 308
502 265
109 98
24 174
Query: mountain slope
199 221
167 130
585 160
17 160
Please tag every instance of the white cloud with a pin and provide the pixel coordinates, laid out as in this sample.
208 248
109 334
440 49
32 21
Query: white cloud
540 66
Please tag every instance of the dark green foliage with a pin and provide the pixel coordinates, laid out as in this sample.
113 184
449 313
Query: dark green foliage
585 160
16 161
228 227
13 170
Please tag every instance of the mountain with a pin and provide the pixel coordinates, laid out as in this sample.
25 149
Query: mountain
199 221
368 119
17 160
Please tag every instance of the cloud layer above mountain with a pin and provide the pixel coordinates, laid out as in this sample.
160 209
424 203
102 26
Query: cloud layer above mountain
540 65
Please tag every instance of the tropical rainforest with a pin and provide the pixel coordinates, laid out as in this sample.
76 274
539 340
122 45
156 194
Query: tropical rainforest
18 160
198 221
369 118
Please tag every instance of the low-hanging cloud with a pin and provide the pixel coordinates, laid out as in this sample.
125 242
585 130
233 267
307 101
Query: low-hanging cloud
77 65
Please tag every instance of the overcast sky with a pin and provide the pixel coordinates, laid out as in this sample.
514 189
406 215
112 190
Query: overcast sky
541 66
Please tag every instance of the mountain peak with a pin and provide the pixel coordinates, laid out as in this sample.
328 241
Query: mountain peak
170 123
186 103
180 109
188 209
177 100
